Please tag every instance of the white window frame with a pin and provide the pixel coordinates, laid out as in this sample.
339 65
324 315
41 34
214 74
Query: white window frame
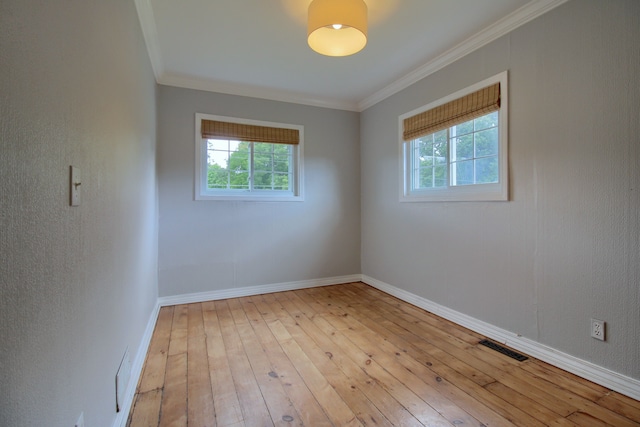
203 193
472 192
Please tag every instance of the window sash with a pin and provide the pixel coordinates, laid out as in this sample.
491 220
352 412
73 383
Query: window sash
451 178
251 171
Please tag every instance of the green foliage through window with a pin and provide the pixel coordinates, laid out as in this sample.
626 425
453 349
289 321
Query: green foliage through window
464 154
248 166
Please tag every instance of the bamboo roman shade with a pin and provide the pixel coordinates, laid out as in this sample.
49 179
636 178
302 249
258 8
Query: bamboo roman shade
471 106
213 129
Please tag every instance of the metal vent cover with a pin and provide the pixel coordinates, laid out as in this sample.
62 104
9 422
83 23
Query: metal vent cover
497 347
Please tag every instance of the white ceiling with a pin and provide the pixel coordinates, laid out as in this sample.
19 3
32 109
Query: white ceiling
258 47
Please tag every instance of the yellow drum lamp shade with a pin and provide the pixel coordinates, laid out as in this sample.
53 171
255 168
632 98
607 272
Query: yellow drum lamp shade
337 27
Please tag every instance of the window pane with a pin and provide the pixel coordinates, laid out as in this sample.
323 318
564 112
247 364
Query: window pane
281 182
487 170
425 153
281 165
239 180
239 159
488 121
218 155
426 178
217 176
272 164
440 176
462 128
425 146
462 173
262 181
440 147
487 142
425 162
218 144
440 137
429 160
218 152
463 147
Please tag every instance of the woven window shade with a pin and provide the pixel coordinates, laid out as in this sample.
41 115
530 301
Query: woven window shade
213 129
471 106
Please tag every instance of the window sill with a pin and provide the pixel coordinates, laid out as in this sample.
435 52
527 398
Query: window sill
246 197
475 193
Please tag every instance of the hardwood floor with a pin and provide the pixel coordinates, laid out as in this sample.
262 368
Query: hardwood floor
349 355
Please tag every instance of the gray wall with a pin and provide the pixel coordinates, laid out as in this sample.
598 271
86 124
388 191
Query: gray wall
567 246
77 284
215 245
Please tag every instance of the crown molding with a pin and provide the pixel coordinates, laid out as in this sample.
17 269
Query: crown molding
251 91
500 28
150 34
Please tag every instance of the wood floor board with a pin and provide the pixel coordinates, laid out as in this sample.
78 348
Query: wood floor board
145 411
275 397
254 408
429 384
179 330
377 374
154 368
333 405
174 397
567 381
225 399
349 355
311 412
439 323
327 359
200 406
622 405
353 379
423 350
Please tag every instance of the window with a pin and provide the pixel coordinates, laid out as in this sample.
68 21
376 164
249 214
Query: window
455 149
238 159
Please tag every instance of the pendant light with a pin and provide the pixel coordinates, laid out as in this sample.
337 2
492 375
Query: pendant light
337 27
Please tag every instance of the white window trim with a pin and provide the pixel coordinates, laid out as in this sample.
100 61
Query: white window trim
464 193
201 191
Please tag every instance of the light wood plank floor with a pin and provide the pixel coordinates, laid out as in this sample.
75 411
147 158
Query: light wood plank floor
349 355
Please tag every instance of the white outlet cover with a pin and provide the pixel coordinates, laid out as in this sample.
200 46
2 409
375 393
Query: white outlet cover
598 329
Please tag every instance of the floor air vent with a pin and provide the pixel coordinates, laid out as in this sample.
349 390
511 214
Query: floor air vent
497 347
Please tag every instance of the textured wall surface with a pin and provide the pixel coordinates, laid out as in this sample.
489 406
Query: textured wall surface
214 245
77 284
567 246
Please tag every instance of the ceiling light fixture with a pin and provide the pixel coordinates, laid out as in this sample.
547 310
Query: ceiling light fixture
337 27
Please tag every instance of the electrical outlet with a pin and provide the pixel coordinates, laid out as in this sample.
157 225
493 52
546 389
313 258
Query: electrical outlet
597 329
80 422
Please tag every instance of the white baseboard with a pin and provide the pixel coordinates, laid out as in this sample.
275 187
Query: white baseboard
136 369
255 290
599 375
